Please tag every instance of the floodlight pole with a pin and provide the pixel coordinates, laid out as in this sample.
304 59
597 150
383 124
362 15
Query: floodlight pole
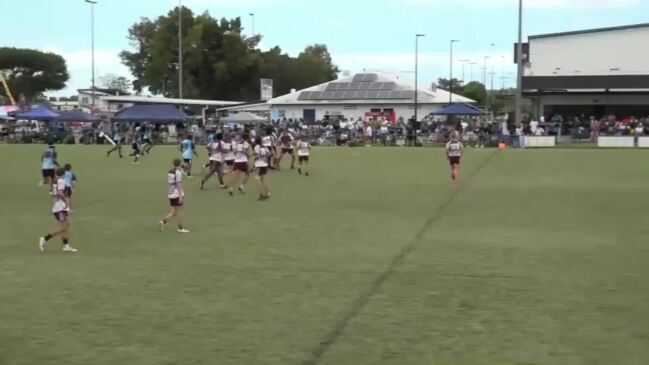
180 49
450 79
414 122
92 45
520 65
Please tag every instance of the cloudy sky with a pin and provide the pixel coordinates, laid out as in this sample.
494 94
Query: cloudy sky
361 34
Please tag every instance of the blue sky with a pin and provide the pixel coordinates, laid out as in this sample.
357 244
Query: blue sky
361 34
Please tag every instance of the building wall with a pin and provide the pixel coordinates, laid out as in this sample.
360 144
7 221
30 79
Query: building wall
591 54
596 105
350 111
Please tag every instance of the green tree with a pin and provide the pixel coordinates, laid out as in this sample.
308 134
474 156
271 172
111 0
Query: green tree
219 62
443 83
29 72
476 91
112 81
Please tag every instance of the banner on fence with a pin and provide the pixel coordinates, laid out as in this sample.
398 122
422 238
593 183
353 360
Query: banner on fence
616 141
540 141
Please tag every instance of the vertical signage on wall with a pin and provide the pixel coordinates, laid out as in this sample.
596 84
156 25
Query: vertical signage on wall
266 89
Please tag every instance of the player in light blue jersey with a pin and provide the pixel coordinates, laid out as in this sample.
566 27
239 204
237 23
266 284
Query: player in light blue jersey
70 182
117 138
48 165
188 149
208 143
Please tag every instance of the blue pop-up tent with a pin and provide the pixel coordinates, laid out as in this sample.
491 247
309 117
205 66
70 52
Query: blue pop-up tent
77 115
150 113
38 113
460 109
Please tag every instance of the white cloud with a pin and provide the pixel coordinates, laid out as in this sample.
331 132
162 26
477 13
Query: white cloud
431 65
79 64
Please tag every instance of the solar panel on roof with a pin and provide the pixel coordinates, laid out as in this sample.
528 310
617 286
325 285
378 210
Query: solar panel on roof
316 95
327 95
408 94
365 86
371 94
384 94
355 86
395 94
349 94
332 87
305 95
343 86
376 86
388 86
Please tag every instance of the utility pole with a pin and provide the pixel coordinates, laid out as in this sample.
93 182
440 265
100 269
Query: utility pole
180 49
520 65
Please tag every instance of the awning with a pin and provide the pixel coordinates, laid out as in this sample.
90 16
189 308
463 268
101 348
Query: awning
150 113
459 109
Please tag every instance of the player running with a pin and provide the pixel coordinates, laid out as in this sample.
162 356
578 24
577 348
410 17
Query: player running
241 155
261 163
188 149
303 153
147 140
135 146
70 182
48 166
216 161
286 141
208 147
227 149
61 212
268 141
454 150
176 196
117 138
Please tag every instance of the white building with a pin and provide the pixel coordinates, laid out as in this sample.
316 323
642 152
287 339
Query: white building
592 72
361 96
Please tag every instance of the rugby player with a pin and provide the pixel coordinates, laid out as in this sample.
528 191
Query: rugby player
48 166
61 212
188 149
286 141
454 150
261 164
117 138
70 182
216 161
303 153
241 155
176 196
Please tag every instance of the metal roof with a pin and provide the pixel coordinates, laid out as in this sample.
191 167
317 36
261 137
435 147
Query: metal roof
366 88
587 31
161 100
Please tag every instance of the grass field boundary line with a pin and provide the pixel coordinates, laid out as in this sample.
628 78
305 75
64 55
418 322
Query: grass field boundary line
361 301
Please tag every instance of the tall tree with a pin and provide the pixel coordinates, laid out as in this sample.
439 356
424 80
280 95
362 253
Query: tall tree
219 61
112 81
29 72
476 91
443 83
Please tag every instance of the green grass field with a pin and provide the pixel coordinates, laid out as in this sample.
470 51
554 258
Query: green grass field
537 257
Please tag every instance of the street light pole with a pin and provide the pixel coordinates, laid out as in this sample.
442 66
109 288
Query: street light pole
417 36
180 49
519 63
252 16
464 62
484 71
471 64
92 45
450 79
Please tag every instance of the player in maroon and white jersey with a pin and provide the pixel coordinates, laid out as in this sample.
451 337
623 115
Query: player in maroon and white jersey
262 154
216 161
286 142
454 150
240 172
303 154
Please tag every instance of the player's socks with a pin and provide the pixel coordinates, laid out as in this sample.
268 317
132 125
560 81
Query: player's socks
163 223
299 171
240 188
306 174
